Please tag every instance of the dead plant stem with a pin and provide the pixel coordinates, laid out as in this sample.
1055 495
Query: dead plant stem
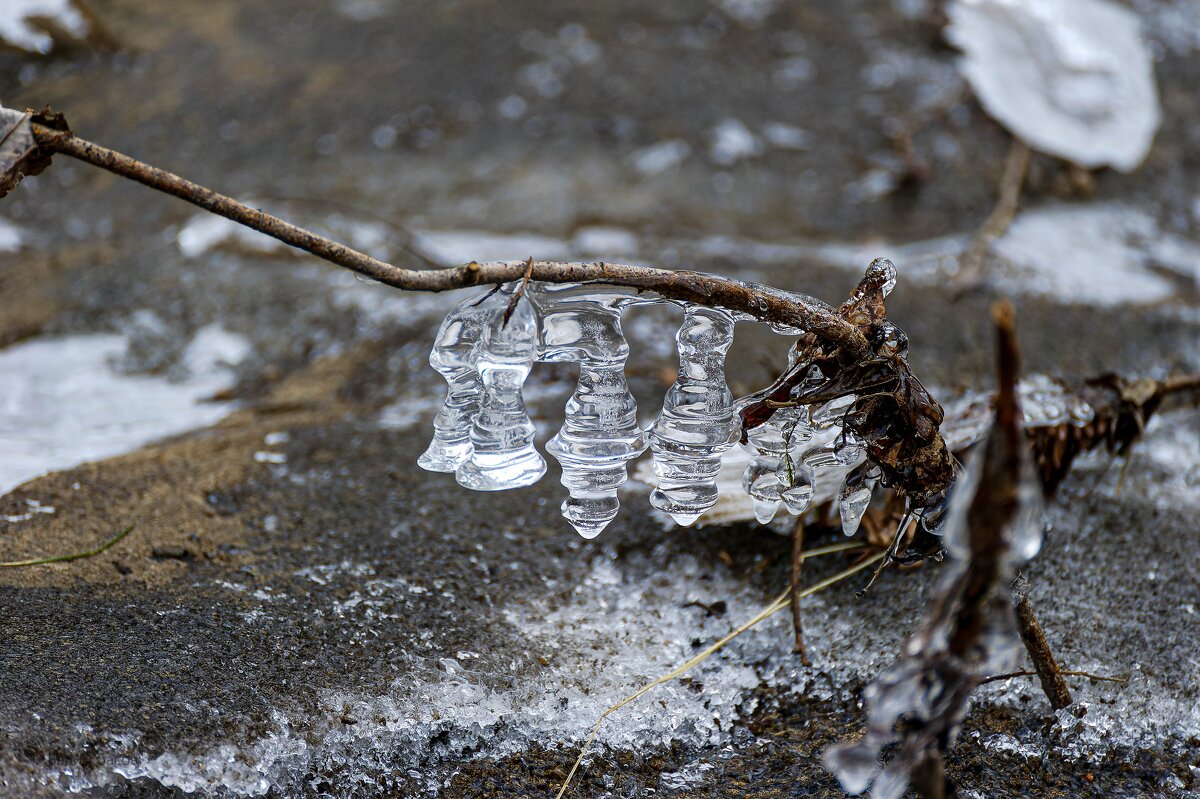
760 302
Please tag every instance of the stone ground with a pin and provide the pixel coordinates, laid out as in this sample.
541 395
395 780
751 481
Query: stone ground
310 614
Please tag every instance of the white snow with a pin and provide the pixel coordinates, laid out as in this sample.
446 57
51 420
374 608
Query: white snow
732 141
658 158
604 241
1072 78
11 236
1097 254
786 137
453 247
205 231
18 22
63 403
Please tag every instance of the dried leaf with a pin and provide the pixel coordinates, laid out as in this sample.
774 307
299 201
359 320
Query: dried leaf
20 154
893 414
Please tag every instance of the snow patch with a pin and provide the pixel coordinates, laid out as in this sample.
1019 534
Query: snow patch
62 402
453 247
1071 78
205 232
21 23
11 236
1095 254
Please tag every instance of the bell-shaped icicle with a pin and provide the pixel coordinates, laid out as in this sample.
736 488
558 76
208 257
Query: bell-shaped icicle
600 434
697 423
855 497
501 434
453 356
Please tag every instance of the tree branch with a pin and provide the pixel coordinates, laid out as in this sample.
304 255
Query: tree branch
761 302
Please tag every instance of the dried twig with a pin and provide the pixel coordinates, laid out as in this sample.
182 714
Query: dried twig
1088 674
797 570
970 266
518 294
1047 669
760 302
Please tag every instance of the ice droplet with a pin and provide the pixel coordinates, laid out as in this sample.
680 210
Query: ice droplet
798 495
454 356
848 448
767 448
502 453
887 271
600 433
831 413
855 497
697 423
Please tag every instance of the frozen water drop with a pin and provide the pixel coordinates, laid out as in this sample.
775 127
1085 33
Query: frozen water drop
683 519
697 423
829 414
590 515
502 452
454 355
798 496
600 432
849 448
883 272
855 498
765 511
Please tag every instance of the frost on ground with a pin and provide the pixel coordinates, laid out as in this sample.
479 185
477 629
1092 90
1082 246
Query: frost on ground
1096 254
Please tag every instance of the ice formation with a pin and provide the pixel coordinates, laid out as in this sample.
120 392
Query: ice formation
698 422
487 346
600 433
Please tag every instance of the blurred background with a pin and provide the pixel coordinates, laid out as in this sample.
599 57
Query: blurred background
297 595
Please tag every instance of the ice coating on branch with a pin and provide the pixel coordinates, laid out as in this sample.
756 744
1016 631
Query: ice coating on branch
800 451
600 433
502 453
454 357
698 422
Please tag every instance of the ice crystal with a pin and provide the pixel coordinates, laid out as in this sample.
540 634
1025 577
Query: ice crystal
487 346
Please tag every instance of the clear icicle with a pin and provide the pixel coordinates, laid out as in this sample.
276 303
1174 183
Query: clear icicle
698 422
501 434
453 356
767 446
798 493
855 498
600 434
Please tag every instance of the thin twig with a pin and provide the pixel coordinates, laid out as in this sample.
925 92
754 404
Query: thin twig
760 302
1088 674
1171 385
797 569
12 564
1047 669
970 268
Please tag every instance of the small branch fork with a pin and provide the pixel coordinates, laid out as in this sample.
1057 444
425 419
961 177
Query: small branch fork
760 302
